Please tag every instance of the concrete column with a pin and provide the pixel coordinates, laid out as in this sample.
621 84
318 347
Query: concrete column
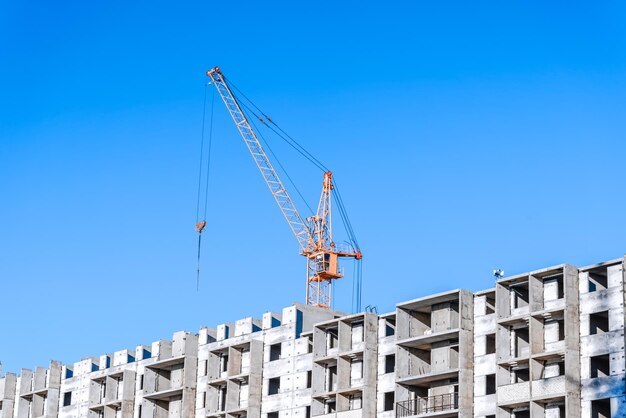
319 342
402 324
535 293
25 385
370 366
466 354
343 374
537 410
128 393
7 394
234 361
190 375
164 349
572 341
255 380
503 301
232 395
54 389
345 336
536 335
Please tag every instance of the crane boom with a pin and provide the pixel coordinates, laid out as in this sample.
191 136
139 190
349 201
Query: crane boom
276 186
315 235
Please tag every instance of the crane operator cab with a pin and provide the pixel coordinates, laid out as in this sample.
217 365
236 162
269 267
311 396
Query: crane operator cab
323 265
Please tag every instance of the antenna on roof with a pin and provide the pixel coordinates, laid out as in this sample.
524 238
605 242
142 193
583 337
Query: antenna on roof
371 308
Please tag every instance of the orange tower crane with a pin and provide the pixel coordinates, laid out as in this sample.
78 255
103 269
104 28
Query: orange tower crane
315 235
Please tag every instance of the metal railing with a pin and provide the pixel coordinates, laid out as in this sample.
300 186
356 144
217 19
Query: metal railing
321 266
427 405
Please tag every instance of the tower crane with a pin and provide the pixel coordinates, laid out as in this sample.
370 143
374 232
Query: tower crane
315 233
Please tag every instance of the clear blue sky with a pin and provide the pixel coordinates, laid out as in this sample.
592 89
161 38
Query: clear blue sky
465 137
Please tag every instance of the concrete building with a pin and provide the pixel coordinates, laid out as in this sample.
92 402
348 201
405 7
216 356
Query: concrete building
548 343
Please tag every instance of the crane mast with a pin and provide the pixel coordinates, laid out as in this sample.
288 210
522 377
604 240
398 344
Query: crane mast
314 235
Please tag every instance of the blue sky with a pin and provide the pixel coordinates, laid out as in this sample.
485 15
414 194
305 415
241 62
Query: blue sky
465 137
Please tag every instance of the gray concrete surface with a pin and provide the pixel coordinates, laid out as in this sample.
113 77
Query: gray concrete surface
548 343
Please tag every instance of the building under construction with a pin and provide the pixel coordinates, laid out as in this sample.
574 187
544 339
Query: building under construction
548 343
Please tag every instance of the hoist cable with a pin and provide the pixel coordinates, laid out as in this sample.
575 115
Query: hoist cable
198 264
208 172
266 144
344 217
278 131
359 276
289 139
201 154
344 214
304 153
357 282
318 162
208 163
294 145
354 280
310 157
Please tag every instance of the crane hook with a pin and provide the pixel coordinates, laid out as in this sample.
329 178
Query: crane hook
200 226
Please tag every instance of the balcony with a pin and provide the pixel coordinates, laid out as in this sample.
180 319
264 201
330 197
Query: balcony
355 413
164 394
426 340
514 393
426 378
549 388
438 405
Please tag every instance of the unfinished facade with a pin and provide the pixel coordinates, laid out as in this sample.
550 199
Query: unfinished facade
548 343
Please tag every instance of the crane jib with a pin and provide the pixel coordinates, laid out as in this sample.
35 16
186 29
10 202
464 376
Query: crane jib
284 201
315 235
